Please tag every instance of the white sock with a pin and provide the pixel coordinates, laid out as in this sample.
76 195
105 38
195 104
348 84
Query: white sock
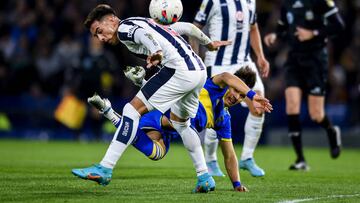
123 137
112 116
192 143
210 145
253 129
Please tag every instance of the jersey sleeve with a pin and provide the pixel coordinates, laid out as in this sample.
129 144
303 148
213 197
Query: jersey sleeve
334 22
205 11
214 90
128 31
189 29
327 7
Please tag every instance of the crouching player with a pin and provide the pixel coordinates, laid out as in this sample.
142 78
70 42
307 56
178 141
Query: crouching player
224 90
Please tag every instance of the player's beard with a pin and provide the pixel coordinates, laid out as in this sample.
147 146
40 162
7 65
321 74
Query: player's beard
114 40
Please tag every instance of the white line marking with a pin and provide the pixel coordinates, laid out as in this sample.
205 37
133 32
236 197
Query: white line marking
317 198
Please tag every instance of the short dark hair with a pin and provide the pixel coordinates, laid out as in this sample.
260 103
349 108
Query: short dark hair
247 75
97 13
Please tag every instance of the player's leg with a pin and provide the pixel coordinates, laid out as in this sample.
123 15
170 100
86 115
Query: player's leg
104 107
181 112
123 137
150 143
317 114
316 101
210 147
293 103
253 128
154 149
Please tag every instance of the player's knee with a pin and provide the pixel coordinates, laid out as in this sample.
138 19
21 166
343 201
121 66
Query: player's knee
179 126
130 111
316 115
292 107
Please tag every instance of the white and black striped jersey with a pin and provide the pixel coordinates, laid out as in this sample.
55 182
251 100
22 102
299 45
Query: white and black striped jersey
228 20
144 36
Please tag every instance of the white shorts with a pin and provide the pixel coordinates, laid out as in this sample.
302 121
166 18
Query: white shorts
174 89
259 86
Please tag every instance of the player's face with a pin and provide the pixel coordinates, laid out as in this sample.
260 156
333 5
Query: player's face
105 30
232 97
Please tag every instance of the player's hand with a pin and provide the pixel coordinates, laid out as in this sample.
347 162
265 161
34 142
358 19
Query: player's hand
241 188
213 46
304 34
270 39
154 59
264 67
135 74
262 104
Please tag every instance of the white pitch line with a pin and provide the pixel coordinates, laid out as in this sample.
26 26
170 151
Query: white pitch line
317 198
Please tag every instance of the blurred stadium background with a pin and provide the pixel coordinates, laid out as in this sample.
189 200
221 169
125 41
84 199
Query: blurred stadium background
49 65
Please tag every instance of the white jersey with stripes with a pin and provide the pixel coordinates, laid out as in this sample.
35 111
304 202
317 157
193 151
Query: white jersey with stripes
144 36
228 20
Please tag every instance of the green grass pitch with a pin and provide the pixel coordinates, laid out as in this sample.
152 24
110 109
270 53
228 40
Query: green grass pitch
33 171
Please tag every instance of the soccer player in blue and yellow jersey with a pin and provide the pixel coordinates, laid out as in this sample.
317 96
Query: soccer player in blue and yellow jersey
220 92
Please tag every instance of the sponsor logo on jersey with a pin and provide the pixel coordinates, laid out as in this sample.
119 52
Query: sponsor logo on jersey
150 37
131 31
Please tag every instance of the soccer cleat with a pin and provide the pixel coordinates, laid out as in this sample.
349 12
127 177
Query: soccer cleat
299 166
335 148
97 173
250 165
103 105
205 184
214 169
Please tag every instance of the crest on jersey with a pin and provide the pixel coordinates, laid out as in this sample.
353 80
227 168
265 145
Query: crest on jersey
239 16
298 4
309 15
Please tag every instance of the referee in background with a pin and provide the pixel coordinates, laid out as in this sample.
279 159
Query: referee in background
307 25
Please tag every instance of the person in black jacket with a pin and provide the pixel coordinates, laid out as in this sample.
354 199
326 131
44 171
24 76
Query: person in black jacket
307 25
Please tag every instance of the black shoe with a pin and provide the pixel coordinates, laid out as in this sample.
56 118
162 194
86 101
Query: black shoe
299 166
335 148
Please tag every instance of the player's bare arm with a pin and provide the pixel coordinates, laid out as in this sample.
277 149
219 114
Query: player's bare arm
227 79
256 45
196 36
231 164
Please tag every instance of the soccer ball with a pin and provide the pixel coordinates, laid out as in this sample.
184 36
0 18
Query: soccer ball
166 11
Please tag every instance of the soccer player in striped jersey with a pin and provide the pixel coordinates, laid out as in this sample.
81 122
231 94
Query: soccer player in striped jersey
176 86
235 20
219 93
